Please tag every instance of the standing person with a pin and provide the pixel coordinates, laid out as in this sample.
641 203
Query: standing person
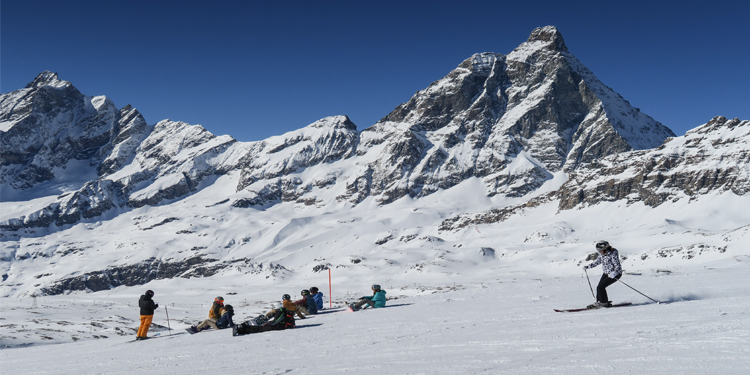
217 310
147 306
376 300
317 296
609 258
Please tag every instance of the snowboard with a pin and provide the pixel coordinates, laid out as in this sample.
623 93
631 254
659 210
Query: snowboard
190 330
350 307
585 309
258 320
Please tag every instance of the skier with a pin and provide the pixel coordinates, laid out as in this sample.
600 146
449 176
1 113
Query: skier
376 300
609 258
226 318
217 310
317 296
147 306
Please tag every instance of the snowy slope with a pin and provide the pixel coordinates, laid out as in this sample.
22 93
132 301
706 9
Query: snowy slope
503 324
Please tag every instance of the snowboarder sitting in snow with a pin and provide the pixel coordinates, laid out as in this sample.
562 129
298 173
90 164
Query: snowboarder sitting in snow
282 319
226 318
309 302
609 258
376 300
317 297
302 303
147 306
287 303
217 310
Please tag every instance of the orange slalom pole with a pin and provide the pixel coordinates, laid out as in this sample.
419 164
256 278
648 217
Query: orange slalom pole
330 296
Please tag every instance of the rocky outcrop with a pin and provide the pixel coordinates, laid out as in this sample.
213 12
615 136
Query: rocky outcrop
714 157
155 269
512 120
52 125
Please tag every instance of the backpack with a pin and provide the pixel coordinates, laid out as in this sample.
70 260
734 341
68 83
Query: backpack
287 320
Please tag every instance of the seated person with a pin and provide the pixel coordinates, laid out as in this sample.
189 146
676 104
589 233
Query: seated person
287 303
317 296
302 303
282 319
217 310
312 306
376 300
226 318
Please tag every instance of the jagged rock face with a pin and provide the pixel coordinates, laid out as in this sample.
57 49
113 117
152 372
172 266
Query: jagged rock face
512 120
52 124
156 269
714 157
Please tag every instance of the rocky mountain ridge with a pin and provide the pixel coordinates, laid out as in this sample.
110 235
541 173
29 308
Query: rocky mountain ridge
521 131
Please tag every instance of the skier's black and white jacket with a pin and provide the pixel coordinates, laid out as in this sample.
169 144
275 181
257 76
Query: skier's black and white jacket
610 262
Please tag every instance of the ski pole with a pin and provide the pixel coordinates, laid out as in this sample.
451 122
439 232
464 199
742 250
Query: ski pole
587 279
639 292
168 326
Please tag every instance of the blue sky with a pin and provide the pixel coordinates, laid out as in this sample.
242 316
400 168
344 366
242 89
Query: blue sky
257 69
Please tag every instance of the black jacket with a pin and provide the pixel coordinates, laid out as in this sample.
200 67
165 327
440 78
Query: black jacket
147 305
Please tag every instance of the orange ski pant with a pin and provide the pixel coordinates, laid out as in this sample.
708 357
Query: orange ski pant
145 324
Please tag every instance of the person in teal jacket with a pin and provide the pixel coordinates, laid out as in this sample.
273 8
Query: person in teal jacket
376 300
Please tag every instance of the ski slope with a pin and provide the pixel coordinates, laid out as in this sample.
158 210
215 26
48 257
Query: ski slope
496 325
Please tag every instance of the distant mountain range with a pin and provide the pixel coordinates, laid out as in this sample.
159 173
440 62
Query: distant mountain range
531 127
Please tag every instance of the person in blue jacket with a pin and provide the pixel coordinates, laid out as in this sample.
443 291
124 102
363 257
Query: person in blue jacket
376 300
312 306
317 296
226 319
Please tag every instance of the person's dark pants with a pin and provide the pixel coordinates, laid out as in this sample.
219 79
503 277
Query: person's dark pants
601 289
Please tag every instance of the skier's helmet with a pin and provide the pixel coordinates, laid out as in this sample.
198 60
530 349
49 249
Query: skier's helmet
305 292
150 293
375 287
219 300
602 246
229 308
313 290
286 297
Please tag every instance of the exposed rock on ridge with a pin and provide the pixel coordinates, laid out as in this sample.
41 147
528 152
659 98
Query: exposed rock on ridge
511 120
712 157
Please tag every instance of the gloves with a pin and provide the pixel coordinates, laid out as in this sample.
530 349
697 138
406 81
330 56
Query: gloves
156 305
586 267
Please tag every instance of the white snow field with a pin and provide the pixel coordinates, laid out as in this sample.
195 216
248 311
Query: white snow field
496 325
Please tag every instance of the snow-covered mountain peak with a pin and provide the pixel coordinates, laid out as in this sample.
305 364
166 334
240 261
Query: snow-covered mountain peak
717 124
47 78
548 36
334 122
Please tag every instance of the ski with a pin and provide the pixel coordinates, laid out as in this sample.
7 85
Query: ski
158 336
585 309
